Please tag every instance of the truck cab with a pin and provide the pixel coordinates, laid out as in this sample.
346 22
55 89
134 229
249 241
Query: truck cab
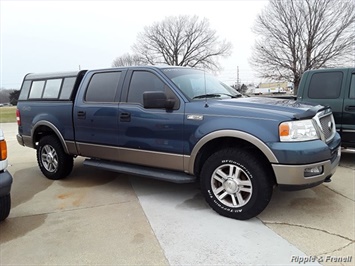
334 87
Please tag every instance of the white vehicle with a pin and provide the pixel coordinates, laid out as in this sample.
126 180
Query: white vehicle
274 90
5 180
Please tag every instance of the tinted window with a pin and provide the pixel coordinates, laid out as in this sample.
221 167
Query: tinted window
24 90
325 85
352 87
67 88
36 89
52 88
193 82
142 81
103 87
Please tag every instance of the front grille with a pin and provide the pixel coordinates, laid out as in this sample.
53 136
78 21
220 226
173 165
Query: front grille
326 125
327 130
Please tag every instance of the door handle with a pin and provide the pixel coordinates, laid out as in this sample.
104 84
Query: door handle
350 108
125 117
81 114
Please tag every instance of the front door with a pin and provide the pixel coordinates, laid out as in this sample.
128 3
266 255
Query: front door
152 137
348 123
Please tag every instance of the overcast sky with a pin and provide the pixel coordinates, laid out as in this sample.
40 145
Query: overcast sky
50 36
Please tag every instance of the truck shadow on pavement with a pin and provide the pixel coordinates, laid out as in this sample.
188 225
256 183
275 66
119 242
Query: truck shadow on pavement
26 184
348 159
305 208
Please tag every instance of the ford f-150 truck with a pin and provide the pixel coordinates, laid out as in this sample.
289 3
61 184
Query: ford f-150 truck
334 87
181 125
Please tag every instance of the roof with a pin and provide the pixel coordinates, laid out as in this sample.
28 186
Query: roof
32 76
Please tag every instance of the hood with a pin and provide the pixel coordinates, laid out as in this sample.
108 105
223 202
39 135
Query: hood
263 107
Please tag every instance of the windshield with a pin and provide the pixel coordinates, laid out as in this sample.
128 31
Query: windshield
197 84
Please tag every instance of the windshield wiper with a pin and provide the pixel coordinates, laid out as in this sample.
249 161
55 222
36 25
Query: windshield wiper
211 95
214 95
232 96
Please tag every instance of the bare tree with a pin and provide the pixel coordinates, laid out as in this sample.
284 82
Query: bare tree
128 60
182 41
298 35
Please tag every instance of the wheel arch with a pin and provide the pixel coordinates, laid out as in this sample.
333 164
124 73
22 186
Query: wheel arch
218 140
44 128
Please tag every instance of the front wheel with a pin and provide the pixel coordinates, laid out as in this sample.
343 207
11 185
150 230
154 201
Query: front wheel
5 206
52 160
236 184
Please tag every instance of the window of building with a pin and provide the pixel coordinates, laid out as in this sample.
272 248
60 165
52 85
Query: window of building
103 87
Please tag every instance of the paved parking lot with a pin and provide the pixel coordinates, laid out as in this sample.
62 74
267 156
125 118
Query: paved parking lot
100 217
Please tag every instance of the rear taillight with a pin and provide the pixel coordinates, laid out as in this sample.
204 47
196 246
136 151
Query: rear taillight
3 150
18 117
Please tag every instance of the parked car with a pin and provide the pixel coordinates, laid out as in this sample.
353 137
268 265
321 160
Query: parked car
5 180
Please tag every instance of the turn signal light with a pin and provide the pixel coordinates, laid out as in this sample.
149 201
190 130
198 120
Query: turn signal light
284 130
3 149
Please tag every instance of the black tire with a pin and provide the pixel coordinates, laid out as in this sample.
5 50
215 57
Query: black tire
5 206
236 184
52 160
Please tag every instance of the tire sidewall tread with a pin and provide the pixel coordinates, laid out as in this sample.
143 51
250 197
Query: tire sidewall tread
5 206
258 173
65 161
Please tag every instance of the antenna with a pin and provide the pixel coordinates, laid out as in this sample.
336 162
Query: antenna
238 81
204 79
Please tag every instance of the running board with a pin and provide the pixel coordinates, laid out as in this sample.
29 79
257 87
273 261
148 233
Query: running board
155 173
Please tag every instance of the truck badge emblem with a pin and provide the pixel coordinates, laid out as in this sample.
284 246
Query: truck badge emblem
195 117
330 126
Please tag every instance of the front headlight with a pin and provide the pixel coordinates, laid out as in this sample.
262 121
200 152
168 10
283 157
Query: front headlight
301 130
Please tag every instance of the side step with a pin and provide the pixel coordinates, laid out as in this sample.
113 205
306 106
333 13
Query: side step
155 173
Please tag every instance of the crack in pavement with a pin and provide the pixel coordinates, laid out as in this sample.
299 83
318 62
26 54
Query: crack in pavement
309 227
338 193
338 249
351 241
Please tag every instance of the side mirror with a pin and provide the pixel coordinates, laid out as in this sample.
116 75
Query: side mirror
157 99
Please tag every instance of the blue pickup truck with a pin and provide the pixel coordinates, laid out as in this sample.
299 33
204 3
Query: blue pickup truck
181 125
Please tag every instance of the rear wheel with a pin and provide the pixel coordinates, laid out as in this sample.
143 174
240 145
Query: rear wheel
52 160
236 184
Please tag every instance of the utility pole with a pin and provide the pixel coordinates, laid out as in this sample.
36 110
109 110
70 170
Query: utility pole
238 81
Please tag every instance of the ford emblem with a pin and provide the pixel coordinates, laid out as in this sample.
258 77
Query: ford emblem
330 125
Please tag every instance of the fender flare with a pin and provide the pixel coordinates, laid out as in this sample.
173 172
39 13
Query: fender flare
55 130
234 134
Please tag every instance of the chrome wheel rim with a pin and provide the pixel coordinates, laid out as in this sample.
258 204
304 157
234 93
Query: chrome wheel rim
49 158
231 185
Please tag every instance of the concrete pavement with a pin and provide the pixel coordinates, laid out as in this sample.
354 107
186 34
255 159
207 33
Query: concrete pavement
100 217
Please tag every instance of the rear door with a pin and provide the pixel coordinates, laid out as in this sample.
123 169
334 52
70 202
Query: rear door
326 87
95 114
348 122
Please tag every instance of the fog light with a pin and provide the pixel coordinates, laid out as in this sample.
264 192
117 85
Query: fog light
312 171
